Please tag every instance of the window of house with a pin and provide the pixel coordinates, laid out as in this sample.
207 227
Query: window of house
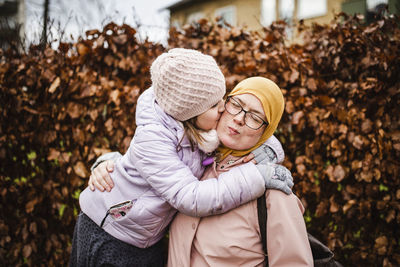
268 9
311 8
286 10
227 13
373 4
195 16
376 9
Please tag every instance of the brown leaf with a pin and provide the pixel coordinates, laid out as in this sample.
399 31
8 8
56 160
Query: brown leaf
100 151
391 216
89 90
120 39
53 154
397 146
348 205
366 126
381 245
114 96
54 85
49 75
294 76
33 228
358 142
354 190
329 172
334 207
74 110
82 49
326 100
289 107
31 205
377 174
93 114
339 173
301 169
366 175
80 169
321 209
343 129
311 84
235 32
26 251
109 125
109 60
297 116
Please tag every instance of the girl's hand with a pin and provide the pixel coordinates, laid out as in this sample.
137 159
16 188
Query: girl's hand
264 153
276 176
100 177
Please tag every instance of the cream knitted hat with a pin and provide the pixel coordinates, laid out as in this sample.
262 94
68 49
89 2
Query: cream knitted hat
186 83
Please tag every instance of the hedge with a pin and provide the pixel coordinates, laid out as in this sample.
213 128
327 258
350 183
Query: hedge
61 108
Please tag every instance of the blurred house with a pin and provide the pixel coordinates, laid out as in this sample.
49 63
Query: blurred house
12 21
258 13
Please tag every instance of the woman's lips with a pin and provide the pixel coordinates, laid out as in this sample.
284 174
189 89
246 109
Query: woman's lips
233 131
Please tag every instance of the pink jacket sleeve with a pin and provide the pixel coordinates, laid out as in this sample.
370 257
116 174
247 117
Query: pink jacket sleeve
287 241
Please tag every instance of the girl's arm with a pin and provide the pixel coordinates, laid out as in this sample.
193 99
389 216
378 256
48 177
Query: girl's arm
271 150
156 159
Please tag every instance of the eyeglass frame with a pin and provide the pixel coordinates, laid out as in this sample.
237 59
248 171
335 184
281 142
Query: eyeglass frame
245 113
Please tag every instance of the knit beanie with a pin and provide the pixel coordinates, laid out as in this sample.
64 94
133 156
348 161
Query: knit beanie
186 83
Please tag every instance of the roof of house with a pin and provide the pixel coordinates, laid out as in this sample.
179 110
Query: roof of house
182 4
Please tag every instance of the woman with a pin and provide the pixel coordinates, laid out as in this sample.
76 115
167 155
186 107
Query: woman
159 173
252 113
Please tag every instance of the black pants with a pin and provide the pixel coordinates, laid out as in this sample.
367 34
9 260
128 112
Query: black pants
92 246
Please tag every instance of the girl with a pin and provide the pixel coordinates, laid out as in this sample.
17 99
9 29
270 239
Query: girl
159 173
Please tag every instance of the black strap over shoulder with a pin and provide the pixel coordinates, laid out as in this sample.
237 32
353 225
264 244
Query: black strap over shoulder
262 222
322 255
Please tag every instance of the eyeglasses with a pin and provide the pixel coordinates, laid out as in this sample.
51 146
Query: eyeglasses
251 119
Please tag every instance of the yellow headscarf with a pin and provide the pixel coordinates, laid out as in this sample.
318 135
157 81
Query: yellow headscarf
271 98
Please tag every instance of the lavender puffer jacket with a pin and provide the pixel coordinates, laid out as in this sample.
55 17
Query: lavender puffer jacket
161 180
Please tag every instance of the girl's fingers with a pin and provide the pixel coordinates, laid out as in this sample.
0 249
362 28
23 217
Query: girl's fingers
90 183
108 181
110 165
98 185
103 177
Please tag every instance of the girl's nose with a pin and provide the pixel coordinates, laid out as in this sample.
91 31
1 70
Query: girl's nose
221 106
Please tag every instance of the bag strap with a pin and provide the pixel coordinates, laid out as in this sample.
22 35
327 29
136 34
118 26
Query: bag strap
322 255
262 222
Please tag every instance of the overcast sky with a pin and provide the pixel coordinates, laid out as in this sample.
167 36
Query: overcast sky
77 16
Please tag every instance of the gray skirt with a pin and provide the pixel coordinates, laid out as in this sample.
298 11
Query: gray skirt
92 246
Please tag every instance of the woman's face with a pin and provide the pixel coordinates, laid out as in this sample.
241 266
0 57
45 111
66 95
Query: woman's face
209 119
231 129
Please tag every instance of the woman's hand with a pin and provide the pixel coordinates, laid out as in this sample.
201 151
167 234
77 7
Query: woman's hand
100 177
